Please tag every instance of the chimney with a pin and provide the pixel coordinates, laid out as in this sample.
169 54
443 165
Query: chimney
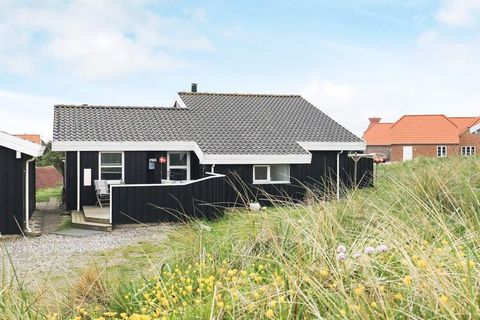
374 120
194 87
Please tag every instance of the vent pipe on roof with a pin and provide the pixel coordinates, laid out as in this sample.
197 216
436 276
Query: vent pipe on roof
194 87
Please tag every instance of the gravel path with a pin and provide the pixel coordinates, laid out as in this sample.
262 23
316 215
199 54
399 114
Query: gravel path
56 255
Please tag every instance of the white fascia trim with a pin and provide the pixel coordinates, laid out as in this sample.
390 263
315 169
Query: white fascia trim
21 145
128 146
332 146
256 158
475 128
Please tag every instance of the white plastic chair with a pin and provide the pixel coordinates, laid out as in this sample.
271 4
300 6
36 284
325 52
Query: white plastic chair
102 191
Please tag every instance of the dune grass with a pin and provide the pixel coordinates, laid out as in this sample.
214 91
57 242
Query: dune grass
407 249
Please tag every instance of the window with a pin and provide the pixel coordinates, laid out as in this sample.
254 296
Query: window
441 151
178 166
111 166
468 151
274 173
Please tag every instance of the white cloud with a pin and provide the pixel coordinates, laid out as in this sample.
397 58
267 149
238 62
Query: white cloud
26 113
93 39
459 13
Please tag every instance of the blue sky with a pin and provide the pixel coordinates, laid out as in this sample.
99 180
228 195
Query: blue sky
352 59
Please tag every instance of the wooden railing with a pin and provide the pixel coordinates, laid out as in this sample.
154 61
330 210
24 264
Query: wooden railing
202 198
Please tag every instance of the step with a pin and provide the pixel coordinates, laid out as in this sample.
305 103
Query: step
78 221
97 214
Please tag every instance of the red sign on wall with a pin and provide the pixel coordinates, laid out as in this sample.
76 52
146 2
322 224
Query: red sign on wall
162 159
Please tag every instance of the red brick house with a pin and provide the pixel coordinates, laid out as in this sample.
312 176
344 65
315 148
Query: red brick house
433 135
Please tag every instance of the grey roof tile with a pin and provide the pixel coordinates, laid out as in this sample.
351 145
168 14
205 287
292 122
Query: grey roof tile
219 123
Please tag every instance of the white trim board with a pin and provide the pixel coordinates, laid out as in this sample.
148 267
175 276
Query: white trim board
257 158
205 159
475 129
332 146
21 145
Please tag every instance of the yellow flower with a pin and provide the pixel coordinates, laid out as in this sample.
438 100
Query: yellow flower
444 242
359 290
407 280
220 304
77 318
198 301
422 263
373 305
398 297
273 303
269 314
343 313
471 264
443 299
109 314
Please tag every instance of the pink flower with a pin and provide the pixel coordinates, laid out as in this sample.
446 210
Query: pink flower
382 248
369 250
341 256
357 255
341 249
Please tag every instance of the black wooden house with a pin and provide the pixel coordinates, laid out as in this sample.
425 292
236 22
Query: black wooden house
17 182
205 151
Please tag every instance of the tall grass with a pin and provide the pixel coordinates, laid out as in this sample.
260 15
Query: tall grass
422 222
283 263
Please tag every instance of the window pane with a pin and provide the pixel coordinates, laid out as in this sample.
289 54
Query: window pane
261 173
112 173
111 159
280 172
178 174
178 159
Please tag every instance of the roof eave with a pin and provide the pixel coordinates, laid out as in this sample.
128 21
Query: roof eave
21 145
332 146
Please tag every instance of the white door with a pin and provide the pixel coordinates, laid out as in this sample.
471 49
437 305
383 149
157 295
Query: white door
407 153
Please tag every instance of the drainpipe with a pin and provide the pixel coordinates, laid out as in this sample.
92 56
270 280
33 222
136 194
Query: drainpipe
338 174
213 168
78 181
27 194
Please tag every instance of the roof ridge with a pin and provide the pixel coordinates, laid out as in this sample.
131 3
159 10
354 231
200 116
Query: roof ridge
240 94
424 115
110 107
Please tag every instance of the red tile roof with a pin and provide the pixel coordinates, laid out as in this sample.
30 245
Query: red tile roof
48 177
464 123
378 134
35 138
419 129
424 129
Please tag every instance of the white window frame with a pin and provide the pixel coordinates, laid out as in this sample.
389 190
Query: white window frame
178 167
441 154
100 167
472 150
268 181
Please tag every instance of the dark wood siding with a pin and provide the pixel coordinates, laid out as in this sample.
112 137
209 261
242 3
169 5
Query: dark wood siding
71 180
200 199
32 188
320 176
88 160
12 191
137 170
